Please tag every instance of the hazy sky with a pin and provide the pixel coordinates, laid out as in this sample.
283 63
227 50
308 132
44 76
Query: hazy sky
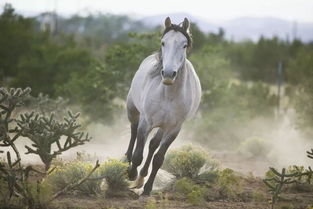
214 10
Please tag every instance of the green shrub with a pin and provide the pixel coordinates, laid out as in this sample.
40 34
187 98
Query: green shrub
289 206
41 192
207 176
254 147
4 189
196 196
194 193
114 172
73 172
258 196
151 204
183 185
228 182
187 162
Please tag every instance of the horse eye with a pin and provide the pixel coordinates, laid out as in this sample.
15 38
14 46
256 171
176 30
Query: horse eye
162 43
185 46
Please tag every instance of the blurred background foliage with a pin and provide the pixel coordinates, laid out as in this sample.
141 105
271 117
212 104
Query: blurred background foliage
91 61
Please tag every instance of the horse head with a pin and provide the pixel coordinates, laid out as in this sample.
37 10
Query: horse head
175 41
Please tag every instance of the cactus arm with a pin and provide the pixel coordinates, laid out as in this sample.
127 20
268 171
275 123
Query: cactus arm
310 154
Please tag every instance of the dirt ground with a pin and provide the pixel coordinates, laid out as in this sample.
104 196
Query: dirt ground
290 199
253 193
153 202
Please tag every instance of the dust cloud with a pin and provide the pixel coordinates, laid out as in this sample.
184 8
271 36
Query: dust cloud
286 144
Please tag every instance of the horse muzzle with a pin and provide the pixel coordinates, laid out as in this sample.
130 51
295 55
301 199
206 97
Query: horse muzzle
168 77
167 81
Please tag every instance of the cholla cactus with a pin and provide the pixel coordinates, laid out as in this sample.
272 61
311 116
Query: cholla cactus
45 131
310 154
276 183
309 172
9 100
45 105
13 172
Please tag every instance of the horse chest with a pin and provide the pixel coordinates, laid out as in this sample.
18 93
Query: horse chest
165 110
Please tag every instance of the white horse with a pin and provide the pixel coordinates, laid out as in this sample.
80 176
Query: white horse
165 91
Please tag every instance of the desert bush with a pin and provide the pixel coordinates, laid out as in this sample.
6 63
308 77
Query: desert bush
187 162
289 206
228 182
207 176
258 196
73 172
42 192
151 204
254 147
4 189
194 193
114 172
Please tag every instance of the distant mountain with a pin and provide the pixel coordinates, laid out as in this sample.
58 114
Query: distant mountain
244 28
252 28
176 18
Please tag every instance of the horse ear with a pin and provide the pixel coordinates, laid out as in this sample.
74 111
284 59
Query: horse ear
167 22
186 24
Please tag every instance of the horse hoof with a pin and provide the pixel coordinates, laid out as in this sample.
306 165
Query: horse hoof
138 183
145 194
132 173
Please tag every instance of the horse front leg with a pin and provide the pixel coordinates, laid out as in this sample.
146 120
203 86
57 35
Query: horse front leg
142 134
159 158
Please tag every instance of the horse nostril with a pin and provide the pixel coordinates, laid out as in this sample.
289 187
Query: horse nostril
174 74
162 72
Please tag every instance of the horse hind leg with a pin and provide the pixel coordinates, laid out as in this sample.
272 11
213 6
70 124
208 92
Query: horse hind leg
159 158
133 116
142 134
129 152
153 145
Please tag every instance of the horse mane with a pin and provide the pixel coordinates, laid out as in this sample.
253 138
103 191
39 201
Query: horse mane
178 28
158 66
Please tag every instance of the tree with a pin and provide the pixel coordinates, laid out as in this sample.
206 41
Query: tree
300 74
96 88
52 63
17 34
